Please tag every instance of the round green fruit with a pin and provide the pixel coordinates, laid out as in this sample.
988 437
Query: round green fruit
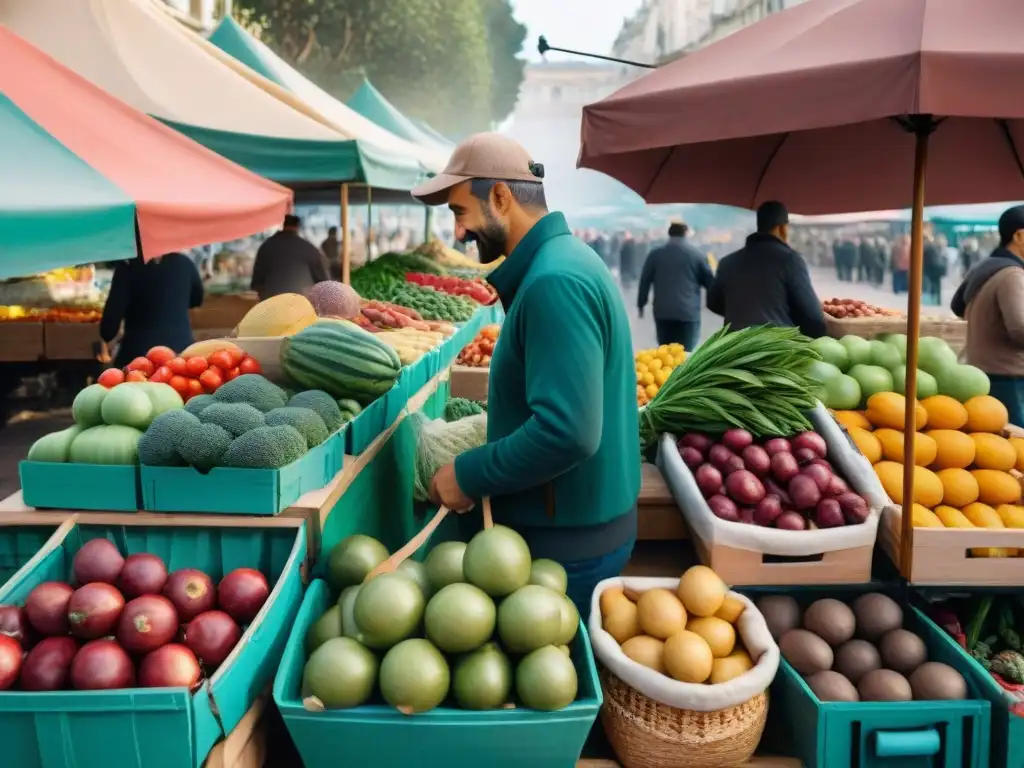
414 676
459 618
498 561
341 673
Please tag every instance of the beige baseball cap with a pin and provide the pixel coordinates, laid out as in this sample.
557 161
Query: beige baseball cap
481 156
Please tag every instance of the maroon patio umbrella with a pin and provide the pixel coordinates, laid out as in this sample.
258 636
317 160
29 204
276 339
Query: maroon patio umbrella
833 106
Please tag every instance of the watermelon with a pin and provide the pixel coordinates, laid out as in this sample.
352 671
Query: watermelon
341 359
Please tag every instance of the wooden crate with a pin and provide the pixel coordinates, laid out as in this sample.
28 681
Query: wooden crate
246 745
222 311
951 329
658 517
21 342
742 567
942 555
470 383
71 341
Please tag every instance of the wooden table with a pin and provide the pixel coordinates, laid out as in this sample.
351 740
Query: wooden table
659 517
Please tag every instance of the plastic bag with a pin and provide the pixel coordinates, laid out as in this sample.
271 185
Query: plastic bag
438 442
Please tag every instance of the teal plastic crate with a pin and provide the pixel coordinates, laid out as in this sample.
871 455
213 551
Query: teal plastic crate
227 490
917 734
1007 728
19 544
103 487
379 736
366 427
157 727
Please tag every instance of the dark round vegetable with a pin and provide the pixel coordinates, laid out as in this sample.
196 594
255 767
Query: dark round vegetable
242 593
804 492
821 476
791 521
143 574
191 592
172 666
102 665
828 514
212 636
735 464
47 608
725 508
825 463
768 510
777 445
737 439
744 488
784 467
14 623
97 560
10 661
804 456
709 480
757 460
94 609
696 440
719 456
691 456
747 515
838 486
812 441
47 665
146 623
855 509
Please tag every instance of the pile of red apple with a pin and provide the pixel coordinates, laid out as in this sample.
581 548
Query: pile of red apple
128 623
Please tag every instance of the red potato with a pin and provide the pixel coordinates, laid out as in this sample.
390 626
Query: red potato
804 456
828 514
734 464
784 467
804 492
724 508
696 440
737 439
820 475
691 457
719 457
757 460
838 486
791 521
812 441
854 507
744 487
747 515
777 445
709 480
768 510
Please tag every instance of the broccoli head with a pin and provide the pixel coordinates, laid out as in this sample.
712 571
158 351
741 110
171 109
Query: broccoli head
253 389
236 418
203 446
158 446
197 404
265 448
305 420
322 404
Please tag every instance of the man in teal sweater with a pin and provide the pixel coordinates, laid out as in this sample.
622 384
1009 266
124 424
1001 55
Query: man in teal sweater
562 462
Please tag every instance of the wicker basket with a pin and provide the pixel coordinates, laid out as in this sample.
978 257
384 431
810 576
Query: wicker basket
648 734
952 330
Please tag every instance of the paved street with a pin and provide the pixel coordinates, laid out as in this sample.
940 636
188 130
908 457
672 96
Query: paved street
825 284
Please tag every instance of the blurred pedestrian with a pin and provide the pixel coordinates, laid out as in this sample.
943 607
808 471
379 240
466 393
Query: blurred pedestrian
331 248
628 260
933 270
288 263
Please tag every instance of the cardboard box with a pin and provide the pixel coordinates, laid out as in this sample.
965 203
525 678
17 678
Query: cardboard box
470 383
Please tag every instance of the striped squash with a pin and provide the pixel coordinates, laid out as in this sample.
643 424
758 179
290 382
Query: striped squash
340 358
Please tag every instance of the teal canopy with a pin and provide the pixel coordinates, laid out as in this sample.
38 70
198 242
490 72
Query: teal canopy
371 104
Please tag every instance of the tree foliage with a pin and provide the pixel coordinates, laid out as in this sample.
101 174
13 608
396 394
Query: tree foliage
452 63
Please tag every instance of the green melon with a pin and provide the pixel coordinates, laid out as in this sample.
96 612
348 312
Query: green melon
935 356
841 393
871 379
832 351
127 405
858 350
884 355
926 384
87 408
962 382
898 340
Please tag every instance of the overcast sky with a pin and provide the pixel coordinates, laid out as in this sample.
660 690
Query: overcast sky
582 25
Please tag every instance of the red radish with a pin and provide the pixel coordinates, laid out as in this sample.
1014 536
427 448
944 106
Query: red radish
143 574
719 456
757 460
768 510
737 439
777 445
784 466
709 480
10 661
191 592
724 508
46 666
14 623
829 514
744 488
821 476
838 486
734 464
691 457
146 623
804 456
855 509
791 521
94 609
242 593
804 492
812 441
212 636
97 560
172 666
47 608
747 515
696 440
102 665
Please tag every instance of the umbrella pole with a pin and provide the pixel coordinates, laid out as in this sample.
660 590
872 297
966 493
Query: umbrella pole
346 244
913 334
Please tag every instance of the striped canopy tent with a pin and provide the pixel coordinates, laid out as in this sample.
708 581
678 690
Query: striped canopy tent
232 39
371 104
81 173
135 51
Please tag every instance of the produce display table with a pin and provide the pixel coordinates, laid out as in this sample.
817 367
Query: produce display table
21 342
658 516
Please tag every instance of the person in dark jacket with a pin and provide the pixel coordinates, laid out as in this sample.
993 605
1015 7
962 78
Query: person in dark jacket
933 270
677 271
331 248
766 281
152 300
288 263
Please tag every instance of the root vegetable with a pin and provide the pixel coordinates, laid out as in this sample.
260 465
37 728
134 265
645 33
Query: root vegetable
777 445
829 514
723 507
838 486
774 488
747 515
784 467
744 487
768 510
821 476
719 457
791 521
696 440
737 439
812 441
691 456
709 480
756 460
804 492
855 509
734 464
804 456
